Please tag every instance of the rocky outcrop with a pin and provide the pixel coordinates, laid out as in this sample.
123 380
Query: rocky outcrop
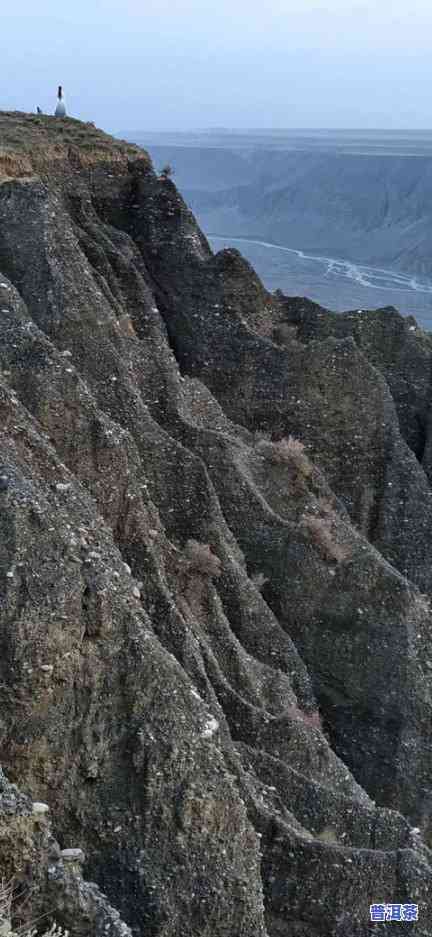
395 345
214 616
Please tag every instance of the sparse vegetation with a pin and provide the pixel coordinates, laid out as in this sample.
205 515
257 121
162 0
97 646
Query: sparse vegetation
312 719
6 929
166 172
35 144
288 451
200 559
326 506
323 534
197 567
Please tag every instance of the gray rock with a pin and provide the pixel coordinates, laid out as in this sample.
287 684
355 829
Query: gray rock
229 759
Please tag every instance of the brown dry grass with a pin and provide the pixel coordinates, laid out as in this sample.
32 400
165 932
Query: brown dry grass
31 144
323 533
311 719
288 451
13 165
197 566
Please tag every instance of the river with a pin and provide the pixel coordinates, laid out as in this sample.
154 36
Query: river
336 284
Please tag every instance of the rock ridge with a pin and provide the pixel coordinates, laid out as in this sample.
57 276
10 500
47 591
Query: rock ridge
215 522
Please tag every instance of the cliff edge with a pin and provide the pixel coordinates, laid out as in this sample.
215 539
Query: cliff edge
215 528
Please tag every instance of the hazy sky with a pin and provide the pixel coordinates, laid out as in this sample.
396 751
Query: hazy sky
155 64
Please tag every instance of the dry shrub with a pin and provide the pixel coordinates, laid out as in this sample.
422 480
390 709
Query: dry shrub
289 451
166 172
322 534
6 930
326 506
312 719
198 566
200 559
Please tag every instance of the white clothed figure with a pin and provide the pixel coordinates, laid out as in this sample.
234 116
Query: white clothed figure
60 110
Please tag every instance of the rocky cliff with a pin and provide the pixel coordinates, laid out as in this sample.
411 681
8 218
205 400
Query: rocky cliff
215 529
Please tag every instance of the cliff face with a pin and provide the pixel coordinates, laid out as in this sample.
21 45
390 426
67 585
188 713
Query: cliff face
183 587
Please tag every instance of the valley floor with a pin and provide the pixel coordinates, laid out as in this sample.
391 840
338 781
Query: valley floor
336 284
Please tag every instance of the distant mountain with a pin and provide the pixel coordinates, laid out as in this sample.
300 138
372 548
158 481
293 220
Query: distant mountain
360 196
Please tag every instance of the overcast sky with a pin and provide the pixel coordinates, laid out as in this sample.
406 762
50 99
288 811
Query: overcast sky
183 64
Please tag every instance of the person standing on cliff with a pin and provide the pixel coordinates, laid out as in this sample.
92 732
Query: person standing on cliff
60 110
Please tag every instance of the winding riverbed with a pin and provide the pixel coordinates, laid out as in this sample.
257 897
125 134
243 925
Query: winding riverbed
336 284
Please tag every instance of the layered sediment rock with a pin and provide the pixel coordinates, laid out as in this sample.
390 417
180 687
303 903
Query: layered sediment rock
215 526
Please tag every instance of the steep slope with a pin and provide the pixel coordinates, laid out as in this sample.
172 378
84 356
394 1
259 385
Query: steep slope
162 705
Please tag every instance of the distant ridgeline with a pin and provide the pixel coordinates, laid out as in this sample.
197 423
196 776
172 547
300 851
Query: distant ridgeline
364 196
